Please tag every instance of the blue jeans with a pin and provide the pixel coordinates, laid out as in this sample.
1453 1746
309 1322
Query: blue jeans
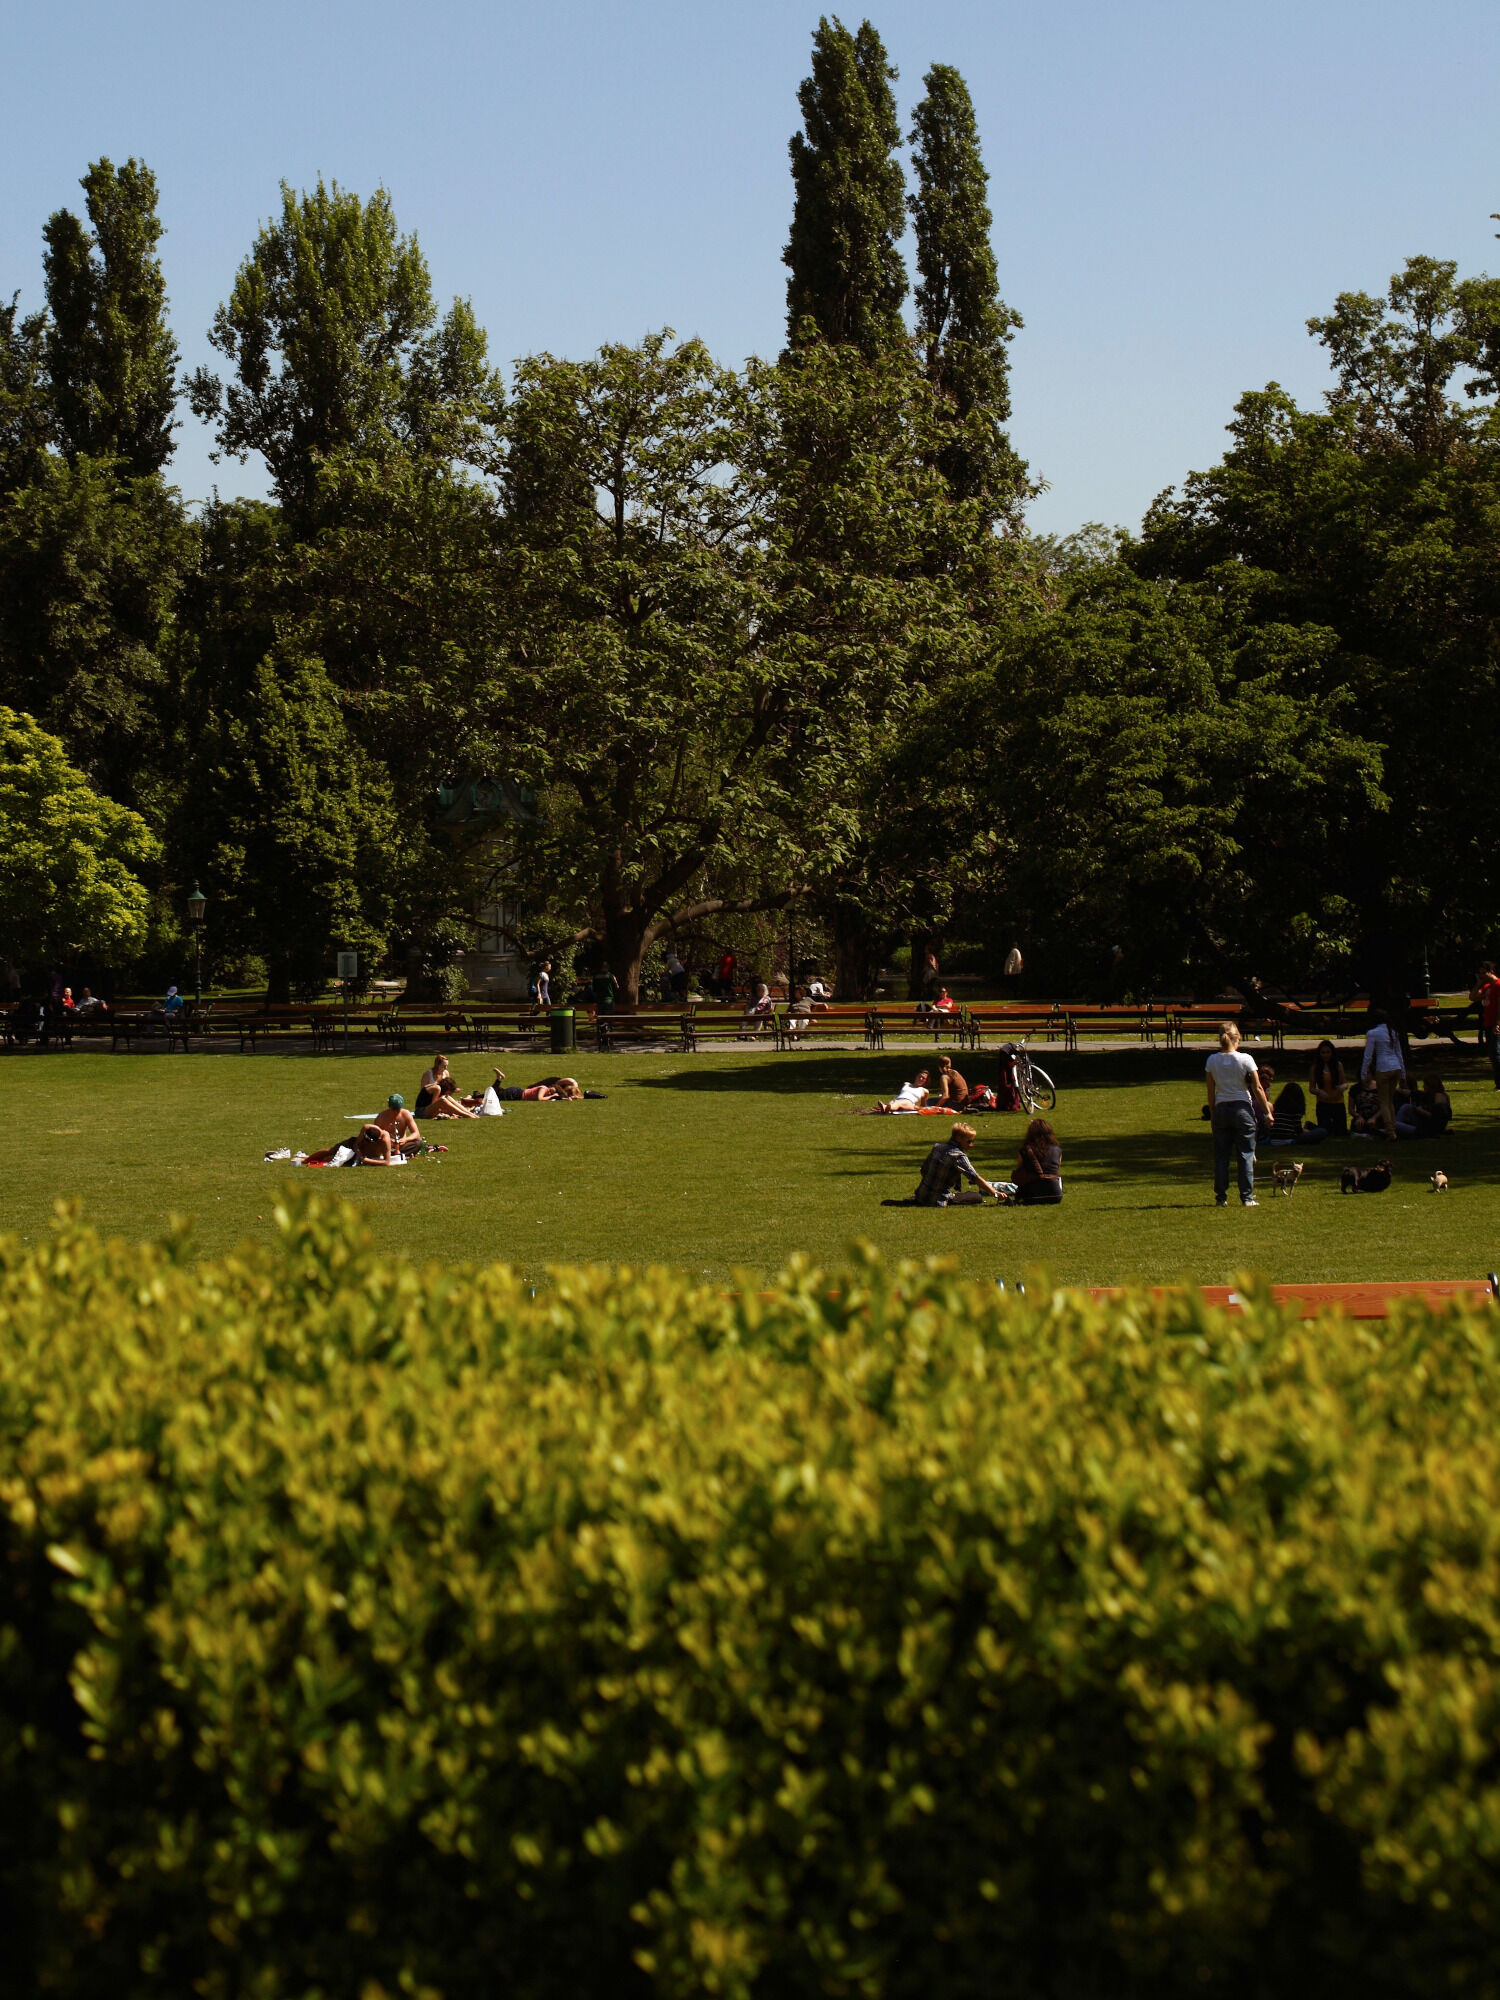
1234 1137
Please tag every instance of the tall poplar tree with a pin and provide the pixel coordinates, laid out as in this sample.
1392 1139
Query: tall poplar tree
111 358
337 351
848 279
963 325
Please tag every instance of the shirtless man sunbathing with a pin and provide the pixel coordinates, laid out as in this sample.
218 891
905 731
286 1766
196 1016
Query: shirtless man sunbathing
398 1123
372 1147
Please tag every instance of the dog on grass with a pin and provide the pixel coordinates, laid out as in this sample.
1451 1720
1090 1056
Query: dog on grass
1285 1175
1440 1182
1366 1180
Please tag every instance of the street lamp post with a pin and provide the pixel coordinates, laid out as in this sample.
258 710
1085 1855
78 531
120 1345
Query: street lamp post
197 906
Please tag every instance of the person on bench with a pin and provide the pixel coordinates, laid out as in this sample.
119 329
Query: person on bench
910 1097
758 1009
945 1166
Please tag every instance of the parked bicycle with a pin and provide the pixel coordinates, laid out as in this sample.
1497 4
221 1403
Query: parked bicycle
1038 1091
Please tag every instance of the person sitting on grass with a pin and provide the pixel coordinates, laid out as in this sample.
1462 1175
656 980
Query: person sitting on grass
1328 1084
1364 1109
400 1124
440 1097
1289 1125
910 1097
952 1090
1427 1113
1038 1181
1266 1076
945 1166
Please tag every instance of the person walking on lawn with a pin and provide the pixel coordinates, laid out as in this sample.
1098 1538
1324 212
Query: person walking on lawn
1384 1064
1235 1096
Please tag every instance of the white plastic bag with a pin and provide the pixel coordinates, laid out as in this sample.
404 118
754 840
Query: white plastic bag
491 1106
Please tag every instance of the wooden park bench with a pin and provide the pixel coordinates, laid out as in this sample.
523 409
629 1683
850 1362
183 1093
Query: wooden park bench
907 1017
1007 1021
829 1021
626 1026
128 1026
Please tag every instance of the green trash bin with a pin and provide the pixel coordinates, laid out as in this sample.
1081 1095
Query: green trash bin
564 1034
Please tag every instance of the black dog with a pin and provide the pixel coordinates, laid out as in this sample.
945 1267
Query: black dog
1366 1180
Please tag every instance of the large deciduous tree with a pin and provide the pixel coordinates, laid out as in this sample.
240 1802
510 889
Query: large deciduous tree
1375 522
111 357
964 327
69 859
721 587
1133 784
337 350
848 280
295 832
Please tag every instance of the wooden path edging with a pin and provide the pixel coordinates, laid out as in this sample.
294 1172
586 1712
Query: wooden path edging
1358 1301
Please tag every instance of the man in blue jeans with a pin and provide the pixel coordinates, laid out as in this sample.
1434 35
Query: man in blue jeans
1235 1094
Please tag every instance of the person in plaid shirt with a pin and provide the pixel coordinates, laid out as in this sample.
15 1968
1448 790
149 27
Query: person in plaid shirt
945 1166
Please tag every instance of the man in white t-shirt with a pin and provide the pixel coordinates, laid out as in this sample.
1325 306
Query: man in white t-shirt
1235 1095
1384 1063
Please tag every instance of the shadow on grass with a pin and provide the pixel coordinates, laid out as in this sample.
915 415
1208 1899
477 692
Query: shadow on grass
1169 1164
870 1074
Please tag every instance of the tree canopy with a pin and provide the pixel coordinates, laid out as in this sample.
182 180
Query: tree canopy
70 859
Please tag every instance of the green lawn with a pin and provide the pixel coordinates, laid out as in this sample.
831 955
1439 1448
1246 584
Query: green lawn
718 1161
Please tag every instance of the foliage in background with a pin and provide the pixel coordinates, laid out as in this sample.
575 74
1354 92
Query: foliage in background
365 1633
1368 531
70 860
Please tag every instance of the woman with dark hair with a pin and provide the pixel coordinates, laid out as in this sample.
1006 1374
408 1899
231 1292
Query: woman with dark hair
1038 1175
1288 1126
1328 1084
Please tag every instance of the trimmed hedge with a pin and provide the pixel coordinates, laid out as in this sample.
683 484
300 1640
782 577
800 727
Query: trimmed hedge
369 1631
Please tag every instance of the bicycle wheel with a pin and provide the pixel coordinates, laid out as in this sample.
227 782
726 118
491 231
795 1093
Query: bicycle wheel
1038 1091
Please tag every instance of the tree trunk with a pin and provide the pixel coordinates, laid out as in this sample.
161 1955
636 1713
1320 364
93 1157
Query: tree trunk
856 952
278 983
624 948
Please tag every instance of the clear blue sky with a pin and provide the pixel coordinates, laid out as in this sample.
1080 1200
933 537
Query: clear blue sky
1176 186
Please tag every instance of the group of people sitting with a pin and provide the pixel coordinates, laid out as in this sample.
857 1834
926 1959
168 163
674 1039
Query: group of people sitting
937 1089
394 1134
1037 1181
1390 1103
439 1095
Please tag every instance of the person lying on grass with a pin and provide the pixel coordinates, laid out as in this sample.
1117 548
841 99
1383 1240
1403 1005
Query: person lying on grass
945 1166
398 1122
373 1148
910 1097
551 1090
